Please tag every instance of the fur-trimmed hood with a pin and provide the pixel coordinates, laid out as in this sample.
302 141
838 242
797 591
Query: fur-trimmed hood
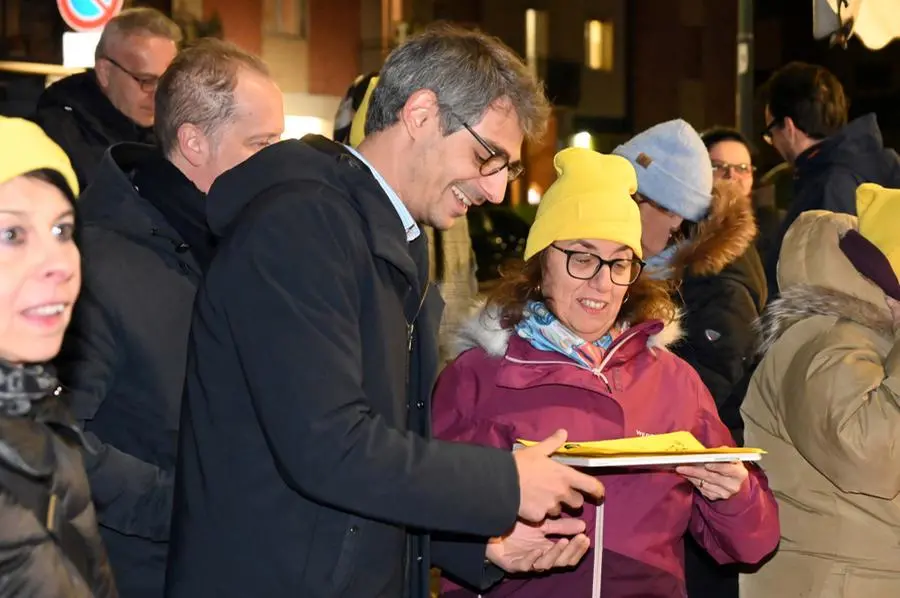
803 301
722 237
816 278
483 330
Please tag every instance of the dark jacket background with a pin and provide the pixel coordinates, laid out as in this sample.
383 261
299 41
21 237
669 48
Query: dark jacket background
304 468
720 343
124 356
77 115
722 291
41 449
720 340
826 177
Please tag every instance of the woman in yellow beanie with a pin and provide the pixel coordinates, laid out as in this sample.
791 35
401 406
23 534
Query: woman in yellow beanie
49 544
825 403
576 339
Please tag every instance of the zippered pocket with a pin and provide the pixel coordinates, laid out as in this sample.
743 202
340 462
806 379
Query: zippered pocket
344 566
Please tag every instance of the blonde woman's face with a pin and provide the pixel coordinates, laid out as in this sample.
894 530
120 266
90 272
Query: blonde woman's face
588 308
40 271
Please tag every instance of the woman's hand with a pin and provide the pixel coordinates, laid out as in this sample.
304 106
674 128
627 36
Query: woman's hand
716 481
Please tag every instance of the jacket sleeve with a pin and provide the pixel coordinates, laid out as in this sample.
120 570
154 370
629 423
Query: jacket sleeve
302 270
454 409
132 497
745 527
839 191
841 409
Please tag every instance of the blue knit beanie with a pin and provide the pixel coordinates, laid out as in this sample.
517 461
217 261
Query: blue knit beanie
673 168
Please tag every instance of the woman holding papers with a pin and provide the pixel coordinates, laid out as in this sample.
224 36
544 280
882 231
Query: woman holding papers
576 339
825 403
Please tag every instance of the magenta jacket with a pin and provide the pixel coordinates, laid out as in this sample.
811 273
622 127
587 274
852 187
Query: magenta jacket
501 388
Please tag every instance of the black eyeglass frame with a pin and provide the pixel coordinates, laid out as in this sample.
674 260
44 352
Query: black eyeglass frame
767 133
497 160
147 84
601 262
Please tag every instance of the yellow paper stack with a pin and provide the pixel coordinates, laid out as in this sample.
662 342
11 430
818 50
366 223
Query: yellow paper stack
673 443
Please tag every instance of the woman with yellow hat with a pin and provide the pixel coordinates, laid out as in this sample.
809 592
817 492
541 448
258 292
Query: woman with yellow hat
825 403
576 339
49 544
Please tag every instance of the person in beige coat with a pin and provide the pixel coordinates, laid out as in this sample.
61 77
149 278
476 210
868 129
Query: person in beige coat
825 404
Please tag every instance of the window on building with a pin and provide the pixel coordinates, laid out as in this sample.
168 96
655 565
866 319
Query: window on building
598 45
285 17
536 39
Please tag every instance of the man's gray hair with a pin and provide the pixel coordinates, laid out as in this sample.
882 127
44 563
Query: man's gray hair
136 21
468 71
198 89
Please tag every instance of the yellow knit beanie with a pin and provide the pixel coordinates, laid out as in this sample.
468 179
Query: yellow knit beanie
24 147
590 199
358 127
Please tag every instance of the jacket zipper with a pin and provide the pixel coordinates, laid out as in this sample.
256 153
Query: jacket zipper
598 371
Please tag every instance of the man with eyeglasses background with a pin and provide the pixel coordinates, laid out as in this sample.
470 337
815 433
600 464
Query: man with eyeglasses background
88 112
806 114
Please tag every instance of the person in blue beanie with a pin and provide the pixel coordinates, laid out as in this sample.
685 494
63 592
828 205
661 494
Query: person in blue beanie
698 233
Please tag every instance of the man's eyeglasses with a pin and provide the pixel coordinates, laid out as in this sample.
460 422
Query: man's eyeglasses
147 83
584 265
727 170
496 160
770 128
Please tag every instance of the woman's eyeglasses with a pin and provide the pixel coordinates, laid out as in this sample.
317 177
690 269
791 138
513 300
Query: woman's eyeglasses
584 265
727 170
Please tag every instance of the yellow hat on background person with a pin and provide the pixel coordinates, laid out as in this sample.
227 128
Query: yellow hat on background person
590 199
875 248
24 147
358 128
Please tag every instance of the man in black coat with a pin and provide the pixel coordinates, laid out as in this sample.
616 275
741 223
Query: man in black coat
806 121
306 466
112 103
146 245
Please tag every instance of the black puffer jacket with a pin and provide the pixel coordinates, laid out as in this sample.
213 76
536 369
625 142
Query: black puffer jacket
49 544
722 293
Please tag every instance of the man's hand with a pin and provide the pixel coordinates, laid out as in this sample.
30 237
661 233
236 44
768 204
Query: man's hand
527 547
544 484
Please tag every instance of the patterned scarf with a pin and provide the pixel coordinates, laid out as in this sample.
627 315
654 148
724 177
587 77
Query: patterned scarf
546 333
20 385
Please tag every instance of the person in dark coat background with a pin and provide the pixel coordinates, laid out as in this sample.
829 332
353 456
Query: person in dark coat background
88 112
806 121
306 466
49 545
146 246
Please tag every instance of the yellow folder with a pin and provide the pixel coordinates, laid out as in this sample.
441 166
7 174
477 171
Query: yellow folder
673 443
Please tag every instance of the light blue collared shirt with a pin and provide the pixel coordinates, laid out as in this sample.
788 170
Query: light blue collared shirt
412 229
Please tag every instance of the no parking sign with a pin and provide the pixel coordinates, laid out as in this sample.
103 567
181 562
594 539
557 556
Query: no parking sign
88 15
